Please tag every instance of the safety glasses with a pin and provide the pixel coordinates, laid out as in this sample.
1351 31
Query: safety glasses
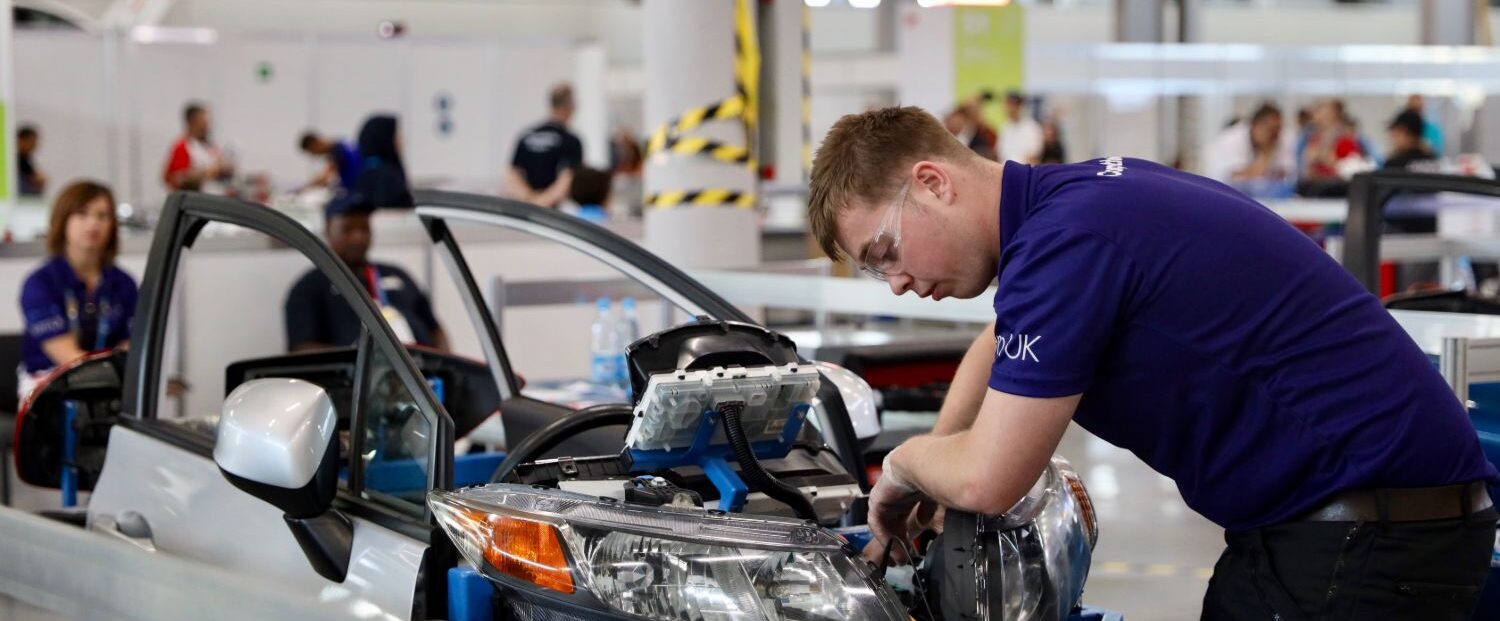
884 250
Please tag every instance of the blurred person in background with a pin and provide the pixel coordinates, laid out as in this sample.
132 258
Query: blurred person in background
590 191
541 171
1430 131
966 122
195 163
629 165
78 301
32 181
317 317
343 163
1021 138
1330 140
1408 144
382 181
1052 144
1254 156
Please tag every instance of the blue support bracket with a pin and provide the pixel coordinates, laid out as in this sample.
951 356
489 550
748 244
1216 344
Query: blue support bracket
469 595
716 458
732 490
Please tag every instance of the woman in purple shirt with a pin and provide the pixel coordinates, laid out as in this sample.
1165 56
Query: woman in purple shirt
77 302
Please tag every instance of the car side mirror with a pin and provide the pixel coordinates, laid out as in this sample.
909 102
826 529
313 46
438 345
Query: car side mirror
63 427
278 442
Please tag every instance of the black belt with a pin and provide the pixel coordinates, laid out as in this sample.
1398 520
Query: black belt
1410 504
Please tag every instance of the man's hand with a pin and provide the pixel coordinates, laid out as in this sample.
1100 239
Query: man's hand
984 469
892 502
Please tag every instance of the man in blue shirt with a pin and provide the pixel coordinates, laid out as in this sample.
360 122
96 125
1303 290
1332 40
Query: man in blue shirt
343 162
1172 316
317 317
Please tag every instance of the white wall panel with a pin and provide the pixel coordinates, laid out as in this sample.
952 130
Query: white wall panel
464 73
71 111
354 79
262 117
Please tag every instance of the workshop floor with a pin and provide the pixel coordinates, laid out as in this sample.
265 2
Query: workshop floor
1155 555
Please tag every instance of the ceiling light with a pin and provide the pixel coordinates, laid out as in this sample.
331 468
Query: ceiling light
159 34
937 3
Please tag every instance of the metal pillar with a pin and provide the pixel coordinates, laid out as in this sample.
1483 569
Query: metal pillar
1189 124
8 180
695 214
1138 129
1139 21
1454 22
785 90
1448 22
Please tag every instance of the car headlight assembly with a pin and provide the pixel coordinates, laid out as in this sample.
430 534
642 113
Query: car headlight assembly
561 555
1027 564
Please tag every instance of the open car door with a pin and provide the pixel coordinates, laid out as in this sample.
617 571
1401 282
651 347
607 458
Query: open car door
161 487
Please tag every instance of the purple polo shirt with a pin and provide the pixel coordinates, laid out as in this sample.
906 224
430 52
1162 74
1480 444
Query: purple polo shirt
1216 342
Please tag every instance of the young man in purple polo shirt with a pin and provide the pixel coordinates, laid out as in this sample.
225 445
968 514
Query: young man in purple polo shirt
1174 317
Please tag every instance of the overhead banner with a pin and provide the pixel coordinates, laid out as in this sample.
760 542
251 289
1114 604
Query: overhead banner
989 47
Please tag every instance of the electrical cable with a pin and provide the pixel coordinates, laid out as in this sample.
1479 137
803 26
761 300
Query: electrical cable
751 470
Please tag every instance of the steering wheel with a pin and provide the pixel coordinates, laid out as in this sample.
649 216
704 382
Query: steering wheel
548 437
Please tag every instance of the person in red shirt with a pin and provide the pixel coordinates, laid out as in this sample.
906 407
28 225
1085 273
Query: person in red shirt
1331 139
196 163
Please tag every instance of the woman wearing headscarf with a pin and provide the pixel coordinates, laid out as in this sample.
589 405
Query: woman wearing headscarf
383 182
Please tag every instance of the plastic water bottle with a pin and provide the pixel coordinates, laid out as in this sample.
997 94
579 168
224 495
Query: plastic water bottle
628 327
630 324
604 348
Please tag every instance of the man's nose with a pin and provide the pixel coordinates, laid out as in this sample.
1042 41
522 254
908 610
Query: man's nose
900 283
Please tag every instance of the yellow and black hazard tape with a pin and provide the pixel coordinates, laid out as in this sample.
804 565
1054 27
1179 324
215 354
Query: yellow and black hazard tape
701 198
731 108
670 137
693 145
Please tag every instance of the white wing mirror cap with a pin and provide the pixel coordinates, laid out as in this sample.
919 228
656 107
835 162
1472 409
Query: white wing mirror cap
275 431
859 399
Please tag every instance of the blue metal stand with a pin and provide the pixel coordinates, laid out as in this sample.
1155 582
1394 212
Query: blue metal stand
716 459
69 483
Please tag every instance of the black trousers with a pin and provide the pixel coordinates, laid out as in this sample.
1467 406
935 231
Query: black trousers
1337 571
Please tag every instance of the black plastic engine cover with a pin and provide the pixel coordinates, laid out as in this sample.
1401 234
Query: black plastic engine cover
703 344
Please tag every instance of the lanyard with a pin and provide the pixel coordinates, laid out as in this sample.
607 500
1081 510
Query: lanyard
101 335
372 280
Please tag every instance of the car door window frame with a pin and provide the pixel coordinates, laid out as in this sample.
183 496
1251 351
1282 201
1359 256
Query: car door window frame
435 208
182 219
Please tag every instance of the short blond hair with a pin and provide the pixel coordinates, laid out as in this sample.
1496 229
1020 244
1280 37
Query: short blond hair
862 158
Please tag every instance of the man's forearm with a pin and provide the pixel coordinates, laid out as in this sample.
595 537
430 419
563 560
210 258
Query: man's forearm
969 385
555 193
987 468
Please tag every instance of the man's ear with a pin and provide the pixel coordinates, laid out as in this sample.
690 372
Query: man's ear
931 179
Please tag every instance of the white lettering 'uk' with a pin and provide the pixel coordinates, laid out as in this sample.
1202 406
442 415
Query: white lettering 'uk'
1113 167
1016 346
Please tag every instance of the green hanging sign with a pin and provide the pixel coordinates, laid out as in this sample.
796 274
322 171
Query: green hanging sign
989 47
